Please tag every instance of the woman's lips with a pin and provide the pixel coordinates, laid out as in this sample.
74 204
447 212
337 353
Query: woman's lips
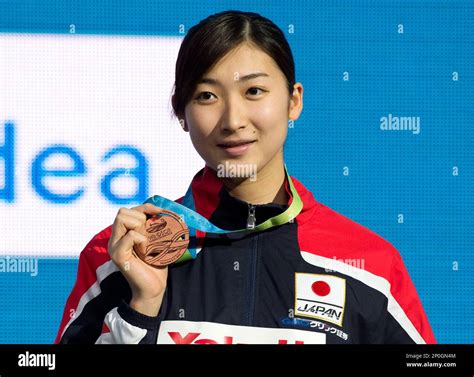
237 150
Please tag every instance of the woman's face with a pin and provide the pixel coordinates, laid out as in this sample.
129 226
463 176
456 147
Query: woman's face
240 109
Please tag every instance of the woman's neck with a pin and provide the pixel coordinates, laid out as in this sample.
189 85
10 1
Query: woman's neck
267 187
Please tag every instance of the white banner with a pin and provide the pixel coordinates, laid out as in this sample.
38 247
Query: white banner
85 128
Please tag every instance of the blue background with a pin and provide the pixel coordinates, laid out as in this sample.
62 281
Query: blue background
391 172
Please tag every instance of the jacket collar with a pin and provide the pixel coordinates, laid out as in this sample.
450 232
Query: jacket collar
214 202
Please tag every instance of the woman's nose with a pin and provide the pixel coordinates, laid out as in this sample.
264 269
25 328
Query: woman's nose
235 116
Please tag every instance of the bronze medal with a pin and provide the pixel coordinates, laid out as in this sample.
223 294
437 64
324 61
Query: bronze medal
168 239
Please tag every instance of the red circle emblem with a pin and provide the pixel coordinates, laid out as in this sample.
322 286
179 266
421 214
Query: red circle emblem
321 288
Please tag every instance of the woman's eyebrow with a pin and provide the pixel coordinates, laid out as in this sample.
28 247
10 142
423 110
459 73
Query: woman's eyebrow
253 76
211 81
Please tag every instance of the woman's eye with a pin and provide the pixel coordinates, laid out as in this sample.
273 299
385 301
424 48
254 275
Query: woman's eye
252 91
204 96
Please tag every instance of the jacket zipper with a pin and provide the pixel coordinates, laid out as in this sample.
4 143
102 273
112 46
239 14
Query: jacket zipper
251 217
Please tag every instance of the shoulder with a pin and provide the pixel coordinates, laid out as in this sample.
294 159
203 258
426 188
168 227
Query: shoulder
331 235
95 254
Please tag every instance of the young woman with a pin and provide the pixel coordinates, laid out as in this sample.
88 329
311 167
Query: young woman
293 282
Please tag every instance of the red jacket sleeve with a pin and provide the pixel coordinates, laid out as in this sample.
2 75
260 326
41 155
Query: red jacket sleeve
405 306
94 255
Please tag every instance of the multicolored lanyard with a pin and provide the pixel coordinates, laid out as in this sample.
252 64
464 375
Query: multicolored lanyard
195 221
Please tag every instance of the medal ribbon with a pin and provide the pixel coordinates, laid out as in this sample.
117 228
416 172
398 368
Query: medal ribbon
187 211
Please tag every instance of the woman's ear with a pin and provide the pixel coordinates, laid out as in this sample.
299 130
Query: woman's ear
183 124
296 102
181 119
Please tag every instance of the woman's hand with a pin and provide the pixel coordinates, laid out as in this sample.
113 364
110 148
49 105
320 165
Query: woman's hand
147 283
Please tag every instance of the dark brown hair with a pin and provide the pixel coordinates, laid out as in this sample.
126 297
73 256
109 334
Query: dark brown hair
213 37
